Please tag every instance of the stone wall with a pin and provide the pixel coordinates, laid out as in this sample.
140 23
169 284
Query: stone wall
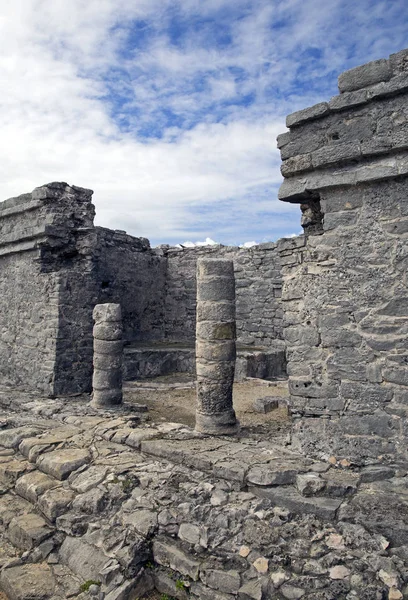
42 248
258 291
130 273
345 284
55 266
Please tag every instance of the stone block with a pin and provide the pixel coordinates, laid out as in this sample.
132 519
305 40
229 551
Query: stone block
274 473
293 190
348 364
55 502
227 581
32 485
313 389
106 379
348 100
61 463
303 335
288 497
28 581
170 555
215 311
107 361
11 438
142 520
309 484
296 164
107 312
166 586
396 375
215 371
365 75
340 483
112 347
108 331
340 219
216 289
28 531
283 139
396 227
189 533
307 114
216 351
251 590
85 560
89 479
266 404
106 397
217 267
209 330
335 153
379 424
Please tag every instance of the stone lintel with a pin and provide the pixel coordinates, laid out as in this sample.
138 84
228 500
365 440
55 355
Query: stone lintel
300 188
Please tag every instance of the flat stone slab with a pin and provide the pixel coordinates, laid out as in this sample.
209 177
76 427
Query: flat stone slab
61 463
169 555
274 473
55 502
84 560
31 485
10 438
28 531
288 497
85 481
143 520
28 582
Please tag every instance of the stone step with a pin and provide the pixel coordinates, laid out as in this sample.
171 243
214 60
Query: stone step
97 514
27 531
289 498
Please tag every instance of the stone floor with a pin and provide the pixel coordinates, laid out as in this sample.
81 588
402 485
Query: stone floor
111 506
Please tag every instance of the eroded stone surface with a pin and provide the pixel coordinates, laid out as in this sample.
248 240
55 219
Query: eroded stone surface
182 495
34 582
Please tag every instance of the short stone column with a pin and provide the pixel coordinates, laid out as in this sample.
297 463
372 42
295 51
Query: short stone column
108 351
215 347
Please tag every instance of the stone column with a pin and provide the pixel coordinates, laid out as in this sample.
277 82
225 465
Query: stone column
215 347
108 351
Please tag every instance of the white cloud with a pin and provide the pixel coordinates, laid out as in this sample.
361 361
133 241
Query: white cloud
78 102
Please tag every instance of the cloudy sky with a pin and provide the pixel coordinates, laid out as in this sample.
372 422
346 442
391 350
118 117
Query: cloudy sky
169 109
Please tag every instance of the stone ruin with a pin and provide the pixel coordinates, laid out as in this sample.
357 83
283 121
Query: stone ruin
96 501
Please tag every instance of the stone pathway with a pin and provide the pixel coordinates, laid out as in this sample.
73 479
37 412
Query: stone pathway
105 504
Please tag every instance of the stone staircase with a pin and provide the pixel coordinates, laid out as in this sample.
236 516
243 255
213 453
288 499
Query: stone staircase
103 504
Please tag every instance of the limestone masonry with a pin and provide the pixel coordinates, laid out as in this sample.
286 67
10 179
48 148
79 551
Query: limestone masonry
345 296
97 502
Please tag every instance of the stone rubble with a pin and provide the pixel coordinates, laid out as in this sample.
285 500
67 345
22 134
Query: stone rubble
110 504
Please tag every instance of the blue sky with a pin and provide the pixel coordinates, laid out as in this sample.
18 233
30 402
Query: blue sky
169 109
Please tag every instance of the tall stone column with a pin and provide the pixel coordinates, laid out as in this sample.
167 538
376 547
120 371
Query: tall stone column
108 351
215 347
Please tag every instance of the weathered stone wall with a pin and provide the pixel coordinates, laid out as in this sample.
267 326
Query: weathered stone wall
345 285
43 250
28 325
258 291
55 266
130 273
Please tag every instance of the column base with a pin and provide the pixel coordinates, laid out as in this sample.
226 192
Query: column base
224 423
106 398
